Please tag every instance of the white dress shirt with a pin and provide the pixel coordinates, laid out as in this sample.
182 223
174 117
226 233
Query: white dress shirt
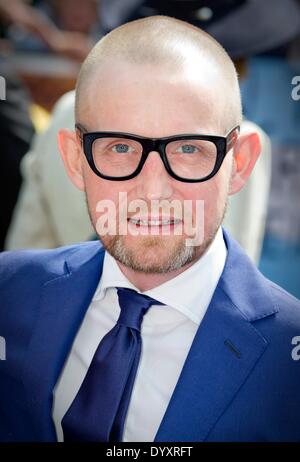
167 335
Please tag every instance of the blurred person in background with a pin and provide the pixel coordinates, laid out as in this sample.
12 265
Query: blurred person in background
50 212
271 95
66 28
16 131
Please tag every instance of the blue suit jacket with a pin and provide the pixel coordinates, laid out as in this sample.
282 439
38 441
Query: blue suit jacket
239 381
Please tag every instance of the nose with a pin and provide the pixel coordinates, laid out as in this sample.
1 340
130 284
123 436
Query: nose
154 182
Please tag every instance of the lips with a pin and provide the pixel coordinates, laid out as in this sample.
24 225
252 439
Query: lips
153 221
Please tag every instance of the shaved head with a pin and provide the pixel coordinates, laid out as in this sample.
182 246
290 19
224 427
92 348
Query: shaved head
170 44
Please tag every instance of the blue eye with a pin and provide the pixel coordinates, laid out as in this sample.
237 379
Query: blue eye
188 149
121 148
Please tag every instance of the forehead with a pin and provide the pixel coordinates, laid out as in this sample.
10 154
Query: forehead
154 100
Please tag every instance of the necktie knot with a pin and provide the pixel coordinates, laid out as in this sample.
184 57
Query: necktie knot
133 307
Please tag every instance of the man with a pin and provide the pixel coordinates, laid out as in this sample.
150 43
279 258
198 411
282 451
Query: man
167 332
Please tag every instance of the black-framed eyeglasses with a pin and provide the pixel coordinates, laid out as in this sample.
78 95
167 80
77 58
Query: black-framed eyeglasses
189 158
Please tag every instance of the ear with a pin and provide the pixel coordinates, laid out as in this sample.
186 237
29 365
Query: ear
70 150
245 154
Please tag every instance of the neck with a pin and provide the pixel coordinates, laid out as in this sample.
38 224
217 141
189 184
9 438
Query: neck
147 281
144 281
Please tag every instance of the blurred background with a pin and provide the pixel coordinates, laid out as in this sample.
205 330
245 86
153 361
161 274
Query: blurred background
42 45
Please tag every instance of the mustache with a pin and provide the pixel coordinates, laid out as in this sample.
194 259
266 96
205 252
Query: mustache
156 209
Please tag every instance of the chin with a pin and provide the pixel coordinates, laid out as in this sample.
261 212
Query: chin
155 254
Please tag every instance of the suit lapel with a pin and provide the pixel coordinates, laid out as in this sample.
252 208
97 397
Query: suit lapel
225 349
64 301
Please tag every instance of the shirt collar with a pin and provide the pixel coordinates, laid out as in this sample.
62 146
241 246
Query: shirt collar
190 292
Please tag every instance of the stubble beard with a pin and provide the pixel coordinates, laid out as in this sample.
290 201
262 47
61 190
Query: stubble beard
149 255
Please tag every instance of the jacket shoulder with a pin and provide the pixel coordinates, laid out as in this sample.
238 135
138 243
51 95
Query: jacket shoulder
41 265
23 274
286 303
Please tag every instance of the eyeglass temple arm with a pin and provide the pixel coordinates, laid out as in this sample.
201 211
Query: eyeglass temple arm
81 130
232 137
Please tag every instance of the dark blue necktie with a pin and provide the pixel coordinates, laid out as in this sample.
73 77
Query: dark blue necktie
99 409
